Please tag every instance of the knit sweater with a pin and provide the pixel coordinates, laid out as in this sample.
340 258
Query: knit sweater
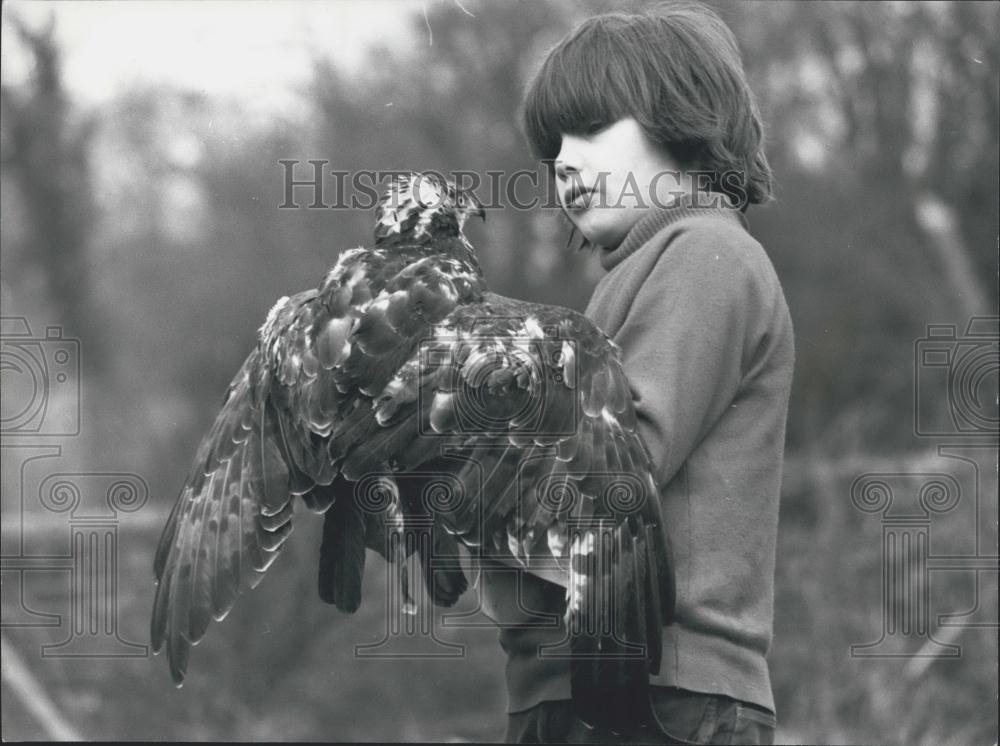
696 307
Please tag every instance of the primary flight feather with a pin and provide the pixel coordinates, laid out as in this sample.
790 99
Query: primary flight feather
512 423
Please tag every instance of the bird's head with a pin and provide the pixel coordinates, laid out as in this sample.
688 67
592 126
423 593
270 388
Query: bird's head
422 206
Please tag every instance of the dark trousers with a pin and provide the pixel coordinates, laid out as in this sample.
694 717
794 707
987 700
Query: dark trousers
676 716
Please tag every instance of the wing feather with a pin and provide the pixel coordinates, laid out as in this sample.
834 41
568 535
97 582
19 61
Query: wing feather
342 552
228 524
226 578
203 541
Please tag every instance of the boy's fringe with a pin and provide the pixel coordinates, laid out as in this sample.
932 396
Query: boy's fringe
675 68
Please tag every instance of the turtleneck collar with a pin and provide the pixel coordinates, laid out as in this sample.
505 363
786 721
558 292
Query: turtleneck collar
658 219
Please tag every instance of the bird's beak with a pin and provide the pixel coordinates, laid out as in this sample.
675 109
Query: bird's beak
475 206
478 208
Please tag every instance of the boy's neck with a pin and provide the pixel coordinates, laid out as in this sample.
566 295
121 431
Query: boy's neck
688 205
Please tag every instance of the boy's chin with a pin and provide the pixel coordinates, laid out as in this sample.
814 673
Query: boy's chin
604 241
598 233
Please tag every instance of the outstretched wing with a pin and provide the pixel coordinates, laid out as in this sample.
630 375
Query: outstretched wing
300 405
229 522
529 408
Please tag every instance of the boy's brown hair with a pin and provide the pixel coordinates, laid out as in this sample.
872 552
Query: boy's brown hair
677 70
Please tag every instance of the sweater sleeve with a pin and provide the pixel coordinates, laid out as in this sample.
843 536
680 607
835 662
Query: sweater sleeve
683 343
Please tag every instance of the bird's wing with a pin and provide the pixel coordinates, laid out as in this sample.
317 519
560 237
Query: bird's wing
527 409
300 405
229 522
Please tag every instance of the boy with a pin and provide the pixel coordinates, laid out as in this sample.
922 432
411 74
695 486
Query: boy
655 142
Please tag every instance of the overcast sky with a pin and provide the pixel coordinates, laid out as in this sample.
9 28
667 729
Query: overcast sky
253 50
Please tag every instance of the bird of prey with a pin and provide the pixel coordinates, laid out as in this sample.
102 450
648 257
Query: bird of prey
402 388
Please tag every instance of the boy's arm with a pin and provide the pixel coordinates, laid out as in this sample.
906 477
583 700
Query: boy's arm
684 343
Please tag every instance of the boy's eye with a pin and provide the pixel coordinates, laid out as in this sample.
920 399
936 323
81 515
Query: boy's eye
594 127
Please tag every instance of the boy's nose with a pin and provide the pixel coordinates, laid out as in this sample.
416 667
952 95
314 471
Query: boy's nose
565 170
568 162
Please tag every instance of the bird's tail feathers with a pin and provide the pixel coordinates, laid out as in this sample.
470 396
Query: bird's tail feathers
614 621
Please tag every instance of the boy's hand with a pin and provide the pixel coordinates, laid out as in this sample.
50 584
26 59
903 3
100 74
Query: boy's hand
545 571
510 598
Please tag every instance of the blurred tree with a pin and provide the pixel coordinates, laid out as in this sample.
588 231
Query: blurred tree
453 107
882 122
46 151
904 98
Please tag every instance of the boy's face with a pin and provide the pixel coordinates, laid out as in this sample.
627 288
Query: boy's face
608 179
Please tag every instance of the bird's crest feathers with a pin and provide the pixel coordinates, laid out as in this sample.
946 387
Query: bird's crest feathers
422 206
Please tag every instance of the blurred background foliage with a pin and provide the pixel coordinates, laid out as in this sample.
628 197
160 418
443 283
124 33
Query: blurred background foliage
149 229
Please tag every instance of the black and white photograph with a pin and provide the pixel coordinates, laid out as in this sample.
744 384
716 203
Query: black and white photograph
524 371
